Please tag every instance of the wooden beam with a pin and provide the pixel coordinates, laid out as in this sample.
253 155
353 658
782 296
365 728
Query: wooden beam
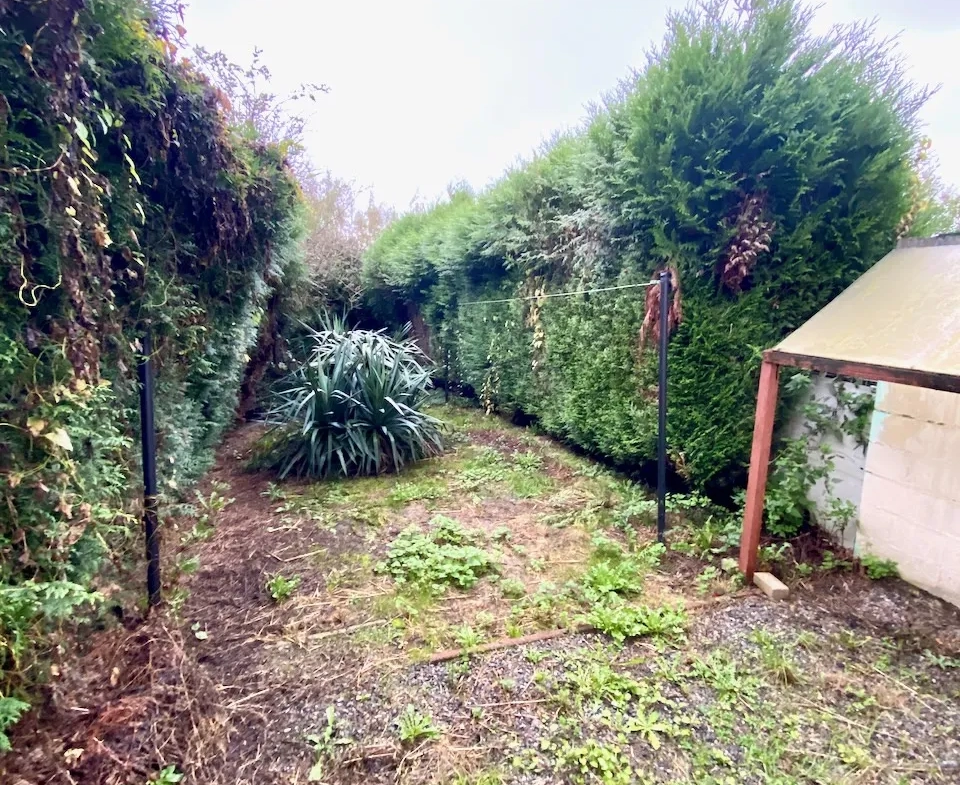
759 464
869 371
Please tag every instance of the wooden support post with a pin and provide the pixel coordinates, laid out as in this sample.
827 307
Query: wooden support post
759 464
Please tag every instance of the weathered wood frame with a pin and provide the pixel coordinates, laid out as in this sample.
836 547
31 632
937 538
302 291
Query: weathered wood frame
773 360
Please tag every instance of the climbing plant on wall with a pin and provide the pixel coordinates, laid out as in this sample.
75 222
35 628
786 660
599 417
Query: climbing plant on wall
125 201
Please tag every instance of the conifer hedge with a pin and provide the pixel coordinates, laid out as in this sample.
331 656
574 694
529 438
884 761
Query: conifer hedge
765 166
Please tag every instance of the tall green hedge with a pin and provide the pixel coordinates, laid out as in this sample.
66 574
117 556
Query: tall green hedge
125 201
767 167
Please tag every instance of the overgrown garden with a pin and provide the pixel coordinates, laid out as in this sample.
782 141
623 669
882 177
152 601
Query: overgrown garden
763 167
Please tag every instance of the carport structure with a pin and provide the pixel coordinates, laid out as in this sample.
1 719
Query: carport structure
899 323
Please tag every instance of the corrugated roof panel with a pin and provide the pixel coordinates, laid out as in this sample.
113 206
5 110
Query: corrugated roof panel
904 312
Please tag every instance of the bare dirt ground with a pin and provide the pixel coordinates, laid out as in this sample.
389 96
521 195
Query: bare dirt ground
303 621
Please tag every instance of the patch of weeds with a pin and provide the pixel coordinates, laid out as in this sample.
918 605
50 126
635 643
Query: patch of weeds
706 579
650 727
501 534
444 555
355 570
862 701
468 638
274 492
831 562
528 461
458 668
594 761
528 485
413 725
804 570
548 606
512 588
855 757
201 531
485 777
720 672
513 630
485 620
621 621
775 658
611 578
507 684
774 553
606 549
710 538
324 744
485 468
688 502
281 587
177 598
588 518
406 492
850 640
635 507
878 569
941 661
216 501
534 656
168 775
187 566
595 681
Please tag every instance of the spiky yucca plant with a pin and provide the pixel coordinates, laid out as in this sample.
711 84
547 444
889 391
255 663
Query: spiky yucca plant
353 407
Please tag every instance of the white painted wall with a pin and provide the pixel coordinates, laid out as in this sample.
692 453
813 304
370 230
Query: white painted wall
846 481
910 505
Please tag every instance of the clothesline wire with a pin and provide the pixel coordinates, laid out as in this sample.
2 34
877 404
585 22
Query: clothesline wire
564 294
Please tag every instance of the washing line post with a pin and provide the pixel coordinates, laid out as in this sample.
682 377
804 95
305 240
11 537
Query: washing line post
148 444
446 374
662 408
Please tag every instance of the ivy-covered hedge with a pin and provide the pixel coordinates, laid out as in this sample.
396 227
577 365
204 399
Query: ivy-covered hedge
765 167
125 201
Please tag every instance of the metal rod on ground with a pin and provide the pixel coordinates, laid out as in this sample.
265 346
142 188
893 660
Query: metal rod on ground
148 443
662 407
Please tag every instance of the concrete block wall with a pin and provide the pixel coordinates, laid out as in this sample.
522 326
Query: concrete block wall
849 457
910 502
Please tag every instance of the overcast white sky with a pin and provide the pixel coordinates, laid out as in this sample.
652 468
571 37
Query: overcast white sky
427 92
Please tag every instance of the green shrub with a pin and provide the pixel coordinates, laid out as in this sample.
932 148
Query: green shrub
743 131
353 407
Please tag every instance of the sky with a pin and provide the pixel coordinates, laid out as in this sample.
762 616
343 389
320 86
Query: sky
425 93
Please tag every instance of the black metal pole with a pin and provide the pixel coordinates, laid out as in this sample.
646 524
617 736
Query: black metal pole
148 442
446 374
662 408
